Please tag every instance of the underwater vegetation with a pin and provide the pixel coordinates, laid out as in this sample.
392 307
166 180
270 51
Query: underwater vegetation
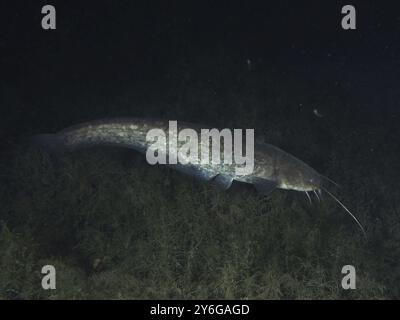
115 227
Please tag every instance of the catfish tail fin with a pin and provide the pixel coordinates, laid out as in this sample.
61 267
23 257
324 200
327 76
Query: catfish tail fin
50 143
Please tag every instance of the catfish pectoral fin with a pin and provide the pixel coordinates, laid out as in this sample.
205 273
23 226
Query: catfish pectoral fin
222 182
264 186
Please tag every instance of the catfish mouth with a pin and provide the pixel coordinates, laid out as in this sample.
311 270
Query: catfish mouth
300 188
310 185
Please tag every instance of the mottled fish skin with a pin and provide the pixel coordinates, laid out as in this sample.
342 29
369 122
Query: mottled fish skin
271 164
130 133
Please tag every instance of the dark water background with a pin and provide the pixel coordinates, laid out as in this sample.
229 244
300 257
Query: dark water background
117 228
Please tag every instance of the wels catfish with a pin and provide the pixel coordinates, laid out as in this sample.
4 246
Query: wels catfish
273 167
